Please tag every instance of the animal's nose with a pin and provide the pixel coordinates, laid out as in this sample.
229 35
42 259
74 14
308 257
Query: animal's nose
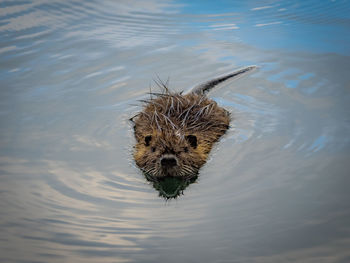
168 162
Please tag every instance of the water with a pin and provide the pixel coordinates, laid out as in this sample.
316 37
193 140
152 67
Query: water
276 186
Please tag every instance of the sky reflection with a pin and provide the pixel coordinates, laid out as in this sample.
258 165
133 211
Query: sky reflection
275 188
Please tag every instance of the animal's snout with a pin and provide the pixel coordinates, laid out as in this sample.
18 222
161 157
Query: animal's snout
168 161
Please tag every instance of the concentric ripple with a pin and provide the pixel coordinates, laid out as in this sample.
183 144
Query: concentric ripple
275 188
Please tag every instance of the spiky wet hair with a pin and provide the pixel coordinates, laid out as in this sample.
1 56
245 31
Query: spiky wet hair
170 111
184 126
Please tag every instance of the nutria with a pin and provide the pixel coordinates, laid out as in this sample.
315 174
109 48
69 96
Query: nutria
175 132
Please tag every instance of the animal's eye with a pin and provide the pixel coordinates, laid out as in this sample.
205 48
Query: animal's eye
186 149
148 139
192 140
153 149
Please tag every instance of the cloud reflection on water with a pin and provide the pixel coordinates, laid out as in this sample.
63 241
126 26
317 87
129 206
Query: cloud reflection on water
275 187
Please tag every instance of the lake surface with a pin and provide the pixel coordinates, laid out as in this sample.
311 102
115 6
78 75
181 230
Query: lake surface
276 187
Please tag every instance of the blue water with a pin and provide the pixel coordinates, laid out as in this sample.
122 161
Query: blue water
275 188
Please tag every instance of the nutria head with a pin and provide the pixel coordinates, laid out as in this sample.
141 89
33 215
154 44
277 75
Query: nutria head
175 133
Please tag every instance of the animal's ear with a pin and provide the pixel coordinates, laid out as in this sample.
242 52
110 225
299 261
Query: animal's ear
192 140
132 119
132 122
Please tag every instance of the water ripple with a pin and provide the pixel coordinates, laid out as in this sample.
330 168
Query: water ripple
275 188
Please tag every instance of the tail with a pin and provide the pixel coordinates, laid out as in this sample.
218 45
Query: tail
208 85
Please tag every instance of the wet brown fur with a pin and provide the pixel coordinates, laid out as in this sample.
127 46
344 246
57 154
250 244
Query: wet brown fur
169 118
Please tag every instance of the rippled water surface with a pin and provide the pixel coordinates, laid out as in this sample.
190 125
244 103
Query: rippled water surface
276 187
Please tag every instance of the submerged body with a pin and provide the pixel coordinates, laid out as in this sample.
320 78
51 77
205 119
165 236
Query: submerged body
175 132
